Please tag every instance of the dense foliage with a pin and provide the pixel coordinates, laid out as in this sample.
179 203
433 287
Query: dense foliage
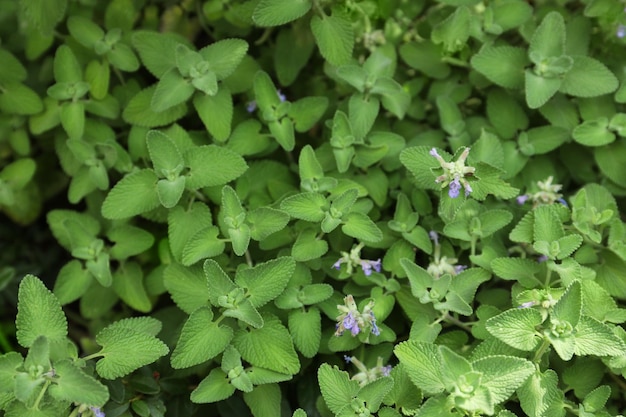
312 208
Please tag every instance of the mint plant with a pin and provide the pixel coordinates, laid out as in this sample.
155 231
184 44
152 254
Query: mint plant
312 208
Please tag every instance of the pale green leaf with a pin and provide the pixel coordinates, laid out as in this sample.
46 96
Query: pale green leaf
337 388
73 385
334 37
210 165
268 347
516 327
588 77
305 327
502 375
132 195
549 38
264 400
138 111
423 363
264 221
267 280
187 286
503 65
156 50
128 284
215 387
224 56
596 338
200 339
203 244
361 227
39 313
164 154
306 206
308 246
183 223
218 281
539 89
216 113
279 12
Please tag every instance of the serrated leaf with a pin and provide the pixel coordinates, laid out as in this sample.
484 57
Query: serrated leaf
523 231
267 280
453 32
132 195
73 385
200 339
307 246
138 111
294 48
305 327
39 313
596 338
279 12
164 154
517 269
362 112
264 400
419 162
183 223
72 282
306 206
337 388
224 56
423 363
129 241
268 347
210 165
539 89
334 37
374 392
171 90
218 281
588 77
9 364
203 244
215 387
361 227
548 40
307 111
516 327
128 283
125 350
264 221
187 286
547 225
540 395
156 50
502 375
216 113
503 65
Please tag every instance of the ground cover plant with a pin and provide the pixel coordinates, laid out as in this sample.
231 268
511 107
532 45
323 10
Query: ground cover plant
312 208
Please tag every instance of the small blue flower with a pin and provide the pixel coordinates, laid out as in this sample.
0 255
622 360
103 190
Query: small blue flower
251 106
460 268
281 96
621 31
527 304
386 370
347 358
522 199
455 187
337 265
350 323
434 236
367 266
97 412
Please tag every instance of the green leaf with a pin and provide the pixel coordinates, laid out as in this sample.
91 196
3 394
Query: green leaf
306 206
215 387
419 162
9 364
308 246
517 269
374 392
264 400
171 90
588 77
282 130
361 227
164 154
338 390
224 56
267 280
200 339
129 241
170 191
453 32
268 347
16 98
72 282
210 165
549 38
86 32
279 12
39 313
183 223
539 89
125 350
611 159
128 283
541 140
218 281
362 111
187 286
156 50
73 118
424 365
334 37
425 56
264 221
216 112
205 243
502 375
547 225
294 47
305 327
132 195
540 395
307 111
516 327
73 385
596 338
503 65
138 110
42 14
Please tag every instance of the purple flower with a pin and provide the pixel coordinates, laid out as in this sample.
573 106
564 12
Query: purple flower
347 358
467 187
386 370
522 199
350 323
281 96
621 31
455 187
433 152
375 328
251 106
434 236
460 268
97 412
542 258
562 201
337 265
367 266
527 304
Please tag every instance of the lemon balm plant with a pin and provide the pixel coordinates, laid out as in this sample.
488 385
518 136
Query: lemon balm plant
313 208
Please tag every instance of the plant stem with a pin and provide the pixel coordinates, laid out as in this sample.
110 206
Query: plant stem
542 349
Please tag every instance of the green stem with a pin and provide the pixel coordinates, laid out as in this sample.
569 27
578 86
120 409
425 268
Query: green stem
41 394
93 356
542 349
249 259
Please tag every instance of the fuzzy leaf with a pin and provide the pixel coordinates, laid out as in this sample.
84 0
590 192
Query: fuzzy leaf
215 387
216 113
210 165
187 286
423 363
132 195
596 338
183 223
516 327
588 77
39 313
266 281
224 56
334 37
279 12
503 65
200 339
305 327
306 206
337 388
502 375
73 385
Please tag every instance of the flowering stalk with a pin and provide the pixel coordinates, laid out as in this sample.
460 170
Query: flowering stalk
454 173
353 260
365 375
355 321
548 194
442 265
